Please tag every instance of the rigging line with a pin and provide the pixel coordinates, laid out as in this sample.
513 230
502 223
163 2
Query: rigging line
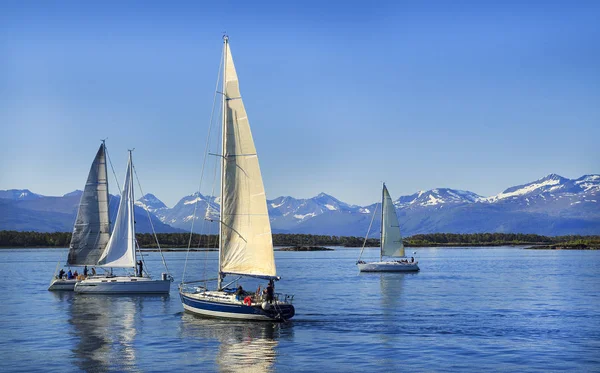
210 125
113 170
217 239
116 181
368 231
151 225
207 214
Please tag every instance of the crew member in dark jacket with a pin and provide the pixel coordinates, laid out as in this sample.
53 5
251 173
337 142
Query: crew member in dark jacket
270 292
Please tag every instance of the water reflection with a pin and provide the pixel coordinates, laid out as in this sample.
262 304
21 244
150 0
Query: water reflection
105 329
242 346
392 288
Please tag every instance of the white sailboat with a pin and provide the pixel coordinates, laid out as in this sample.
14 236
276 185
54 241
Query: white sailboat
245 244
391 243
92 227
120 252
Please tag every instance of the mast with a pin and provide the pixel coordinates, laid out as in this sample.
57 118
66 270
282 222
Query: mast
223 121
381 229
107 189
131 201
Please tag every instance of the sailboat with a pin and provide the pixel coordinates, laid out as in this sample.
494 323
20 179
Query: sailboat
391 243
91 230
245 241
120 252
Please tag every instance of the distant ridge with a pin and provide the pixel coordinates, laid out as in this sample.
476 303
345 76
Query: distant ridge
552 205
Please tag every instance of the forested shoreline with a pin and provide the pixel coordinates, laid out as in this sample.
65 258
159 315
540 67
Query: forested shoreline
15 239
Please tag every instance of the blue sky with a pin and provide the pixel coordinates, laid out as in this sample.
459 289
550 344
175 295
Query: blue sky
470 95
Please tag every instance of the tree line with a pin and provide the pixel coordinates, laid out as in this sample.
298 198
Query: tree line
490 239
182 240
177 240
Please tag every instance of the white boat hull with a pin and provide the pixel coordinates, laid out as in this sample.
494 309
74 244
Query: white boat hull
123 285
389 266
62 285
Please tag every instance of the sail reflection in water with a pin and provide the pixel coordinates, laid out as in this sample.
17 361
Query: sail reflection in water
397 317
392 289
105 327
242 346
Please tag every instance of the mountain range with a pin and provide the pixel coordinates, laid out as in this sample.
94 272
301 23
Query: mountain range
552 205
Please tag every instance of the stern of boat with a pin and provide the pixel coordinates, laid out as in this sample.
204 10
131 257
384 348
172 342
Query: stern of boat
62 285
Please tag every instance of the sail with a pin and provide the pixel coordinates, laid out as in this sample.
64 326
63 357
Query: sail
246 242
92 227
391 239
120 250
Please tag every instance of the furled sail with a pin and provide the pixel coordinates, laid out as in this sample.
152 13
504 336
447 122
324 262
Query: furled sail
246 242
391 239
120 250
92 227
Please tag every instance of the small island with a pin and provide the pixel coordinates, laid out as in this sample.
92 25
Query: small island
566 246
304 248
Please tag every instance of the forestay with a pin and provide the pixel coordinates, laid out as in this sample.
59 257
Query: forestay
246 243
120 250
92 227
391 239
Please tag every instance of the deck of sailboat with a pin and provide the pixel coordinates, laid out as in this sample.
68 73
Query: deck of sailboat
388 266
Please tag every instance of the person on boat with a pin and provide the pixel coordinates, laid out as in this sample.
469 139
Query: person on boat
412 259
239 293
93 271
61 273
75 274
257 294
69 275
141 268
85 271
270 292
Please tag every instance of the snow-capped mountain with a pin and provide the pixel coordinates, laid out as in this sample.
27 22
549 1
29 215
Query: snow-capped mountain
548 184
436 197
18 194
552 205
552 193
151 203
288 212
57 214
195 208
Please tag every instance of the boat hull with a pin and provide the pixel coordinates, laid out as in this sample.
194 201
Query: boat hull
62 285
123 285
224 309
390 266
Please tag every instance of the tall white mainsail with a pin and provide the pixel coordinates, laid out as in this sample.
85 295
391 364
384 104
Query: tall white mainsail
391 239
92 227
120 250
246 242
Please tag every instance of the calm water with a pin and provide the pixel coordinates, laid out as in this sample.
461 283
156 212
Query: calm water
500 309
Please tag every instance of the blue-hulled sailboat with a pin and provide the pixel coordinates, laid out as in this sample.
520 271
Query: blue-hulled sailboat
245 241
